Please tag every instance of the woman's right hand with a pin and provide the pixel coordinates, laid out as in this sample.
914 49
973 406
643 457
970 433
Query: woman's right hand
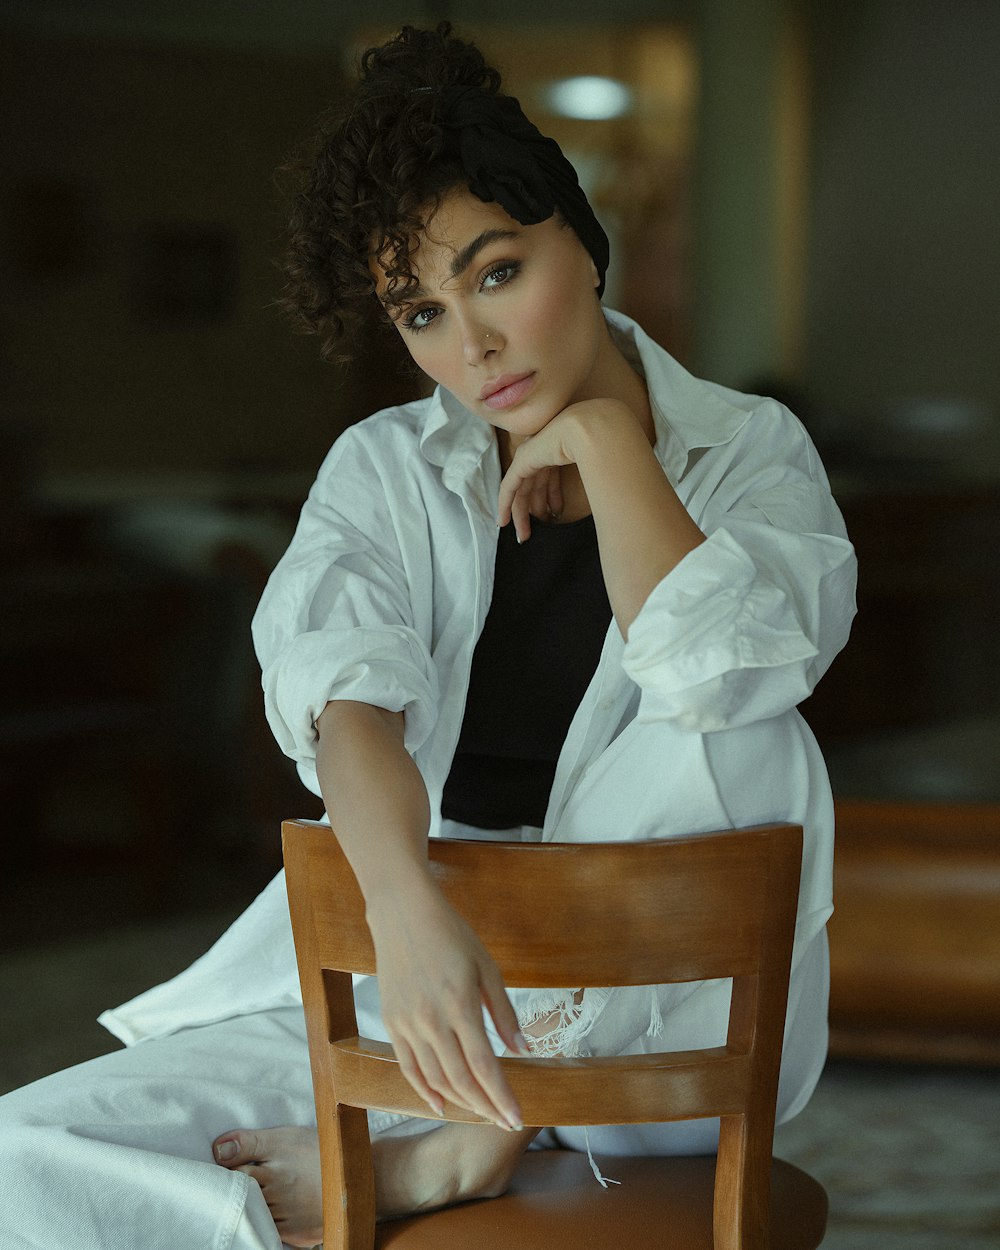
434 978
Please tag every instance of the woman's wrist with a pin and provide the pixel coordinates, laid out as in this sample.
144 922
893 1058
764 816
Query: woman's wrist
602 429
410 888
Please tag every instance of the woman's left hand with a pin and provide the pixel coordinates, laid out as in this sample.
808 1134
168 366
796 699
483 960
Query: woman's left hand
643 528
532 484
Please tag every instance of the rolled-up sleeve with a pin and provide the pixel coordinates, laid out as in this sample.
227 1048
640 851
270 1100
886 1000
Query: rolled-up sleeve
338 618
744 626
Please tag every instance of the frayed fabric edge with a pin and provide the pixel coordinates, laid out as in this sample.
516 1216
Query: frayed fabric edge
573 1020
603 1181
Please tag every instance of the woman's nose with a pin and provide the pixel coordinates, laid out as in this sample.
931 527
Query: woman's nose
478 341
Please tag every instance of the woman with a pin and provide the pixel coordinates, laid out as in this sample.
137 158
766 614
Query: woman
576 594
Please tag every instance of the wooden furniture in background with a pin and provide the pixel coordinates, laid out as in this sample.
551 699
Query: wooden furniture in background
558 914
915 938
909 722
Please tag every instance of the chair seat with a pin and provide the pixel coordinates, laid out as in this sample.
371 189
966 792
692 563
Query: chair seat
555 1194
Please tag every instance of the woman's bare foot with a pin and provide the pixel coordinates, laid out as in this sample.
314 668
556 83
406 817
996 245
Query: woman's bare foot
285 1164
419 1172
453 1163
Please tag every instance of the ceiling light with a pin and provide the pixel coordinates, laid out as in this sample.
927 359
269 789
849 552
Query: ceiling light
589 98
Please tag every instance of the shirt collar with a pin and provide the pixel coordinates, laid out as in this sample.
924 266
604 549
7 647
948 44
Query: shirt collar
689 413
461 444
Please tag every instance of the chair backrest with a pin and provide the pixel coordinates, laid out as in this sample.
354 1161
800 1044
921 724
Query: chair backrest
560 914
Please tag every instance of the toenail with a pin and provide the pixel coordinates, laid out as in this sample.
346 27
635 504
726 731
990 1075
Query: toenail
225 1150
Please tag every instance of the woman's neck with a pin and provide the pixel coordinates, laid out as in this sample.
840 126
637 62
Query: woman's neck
617 379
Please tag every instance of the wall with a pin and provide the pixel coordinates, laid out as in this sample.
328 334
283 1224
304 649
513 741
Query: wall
107 142
904 292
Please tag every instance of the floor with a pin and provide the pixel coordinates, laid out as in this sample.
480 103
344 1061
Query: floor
910 1156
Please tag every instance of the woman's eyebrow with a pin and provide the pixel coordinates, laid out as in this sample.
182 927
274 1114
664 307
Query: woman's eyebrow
465 256
462 259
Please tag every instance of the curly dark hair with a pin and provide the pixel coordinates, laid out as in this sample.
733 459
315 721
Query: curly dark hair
376 169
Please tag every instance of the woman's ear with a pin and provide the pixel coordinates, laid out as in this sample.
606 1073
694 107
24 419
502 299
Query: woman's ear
597 276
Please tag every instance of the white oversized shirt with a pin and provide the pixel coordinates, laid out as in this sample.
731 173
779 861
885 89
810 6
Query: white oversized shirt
689 726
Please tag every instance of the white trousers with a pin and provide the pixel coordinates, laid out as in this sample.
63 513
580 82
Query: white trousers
115 1154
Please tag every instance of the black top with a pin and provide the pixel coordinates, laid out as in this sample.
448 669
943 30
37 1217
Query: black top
534 660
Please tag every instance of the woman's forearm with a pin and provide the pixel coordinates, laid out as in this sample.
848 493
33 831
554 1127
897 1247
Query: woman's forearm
376 799
643 529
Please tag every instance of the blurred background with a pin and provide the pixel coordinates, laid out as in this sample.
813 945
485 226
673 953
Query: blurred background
803 201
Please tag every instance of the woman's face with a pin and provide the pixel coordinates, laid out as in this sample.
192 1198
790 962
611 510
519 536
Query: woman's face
506 316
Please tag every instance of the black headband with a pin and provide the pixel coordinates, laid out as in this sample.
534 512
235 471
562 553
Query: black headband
510 162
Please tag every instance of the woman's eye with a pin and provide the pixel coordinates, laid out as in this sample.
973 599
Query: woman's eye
499 275
421 319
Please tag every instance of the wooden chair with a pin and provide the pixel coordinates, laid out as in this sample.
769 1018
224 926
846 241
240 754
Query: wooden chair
559 914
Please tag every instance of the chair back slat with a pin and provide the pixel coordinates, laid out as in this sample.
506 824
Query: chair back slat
634 1089
600 914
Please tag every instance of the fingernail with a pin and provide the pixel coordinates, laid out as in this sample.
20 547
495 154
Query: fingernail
225 1150
521 1043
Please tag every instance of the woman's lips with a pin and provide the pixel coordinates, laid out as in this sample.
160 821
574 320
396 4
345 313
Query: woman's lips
508 391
